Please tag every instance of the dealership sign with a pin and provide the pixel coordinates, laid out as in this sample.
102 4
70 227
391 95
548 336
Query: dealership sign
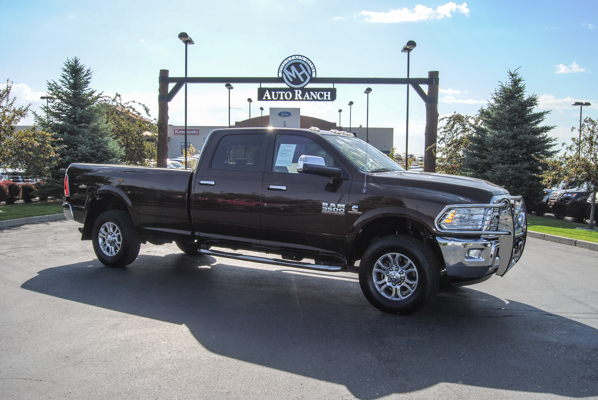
296 71
303 94
189 131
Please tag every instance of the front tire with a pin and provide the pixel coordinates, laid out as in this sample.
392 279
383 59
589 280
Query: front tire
398 274
116 242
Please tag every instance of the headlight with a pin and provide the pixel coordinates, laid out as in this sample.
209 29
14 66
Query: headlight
468 218
502 216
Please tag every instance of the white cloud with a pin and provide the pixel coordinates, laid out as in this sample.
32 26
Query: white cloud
590 26
563 69
450 91
549 102
419 13
454 100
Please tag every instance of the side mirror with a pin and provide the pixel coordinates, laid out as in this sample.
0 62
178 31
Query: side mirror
317 166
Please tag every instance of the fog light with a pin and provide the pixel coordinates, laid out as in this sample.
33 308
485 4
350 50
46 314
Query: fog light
476 253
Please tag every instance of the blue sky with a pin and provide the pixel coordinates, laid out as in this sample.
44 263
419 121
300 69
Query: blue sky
472 44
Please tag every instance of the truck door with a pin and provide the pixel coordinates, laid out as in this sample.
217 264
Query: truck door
226 199
303 209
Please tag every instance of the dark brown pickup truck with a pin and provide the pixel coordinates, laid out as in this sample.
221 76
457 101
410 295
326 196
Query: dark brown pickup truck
326 197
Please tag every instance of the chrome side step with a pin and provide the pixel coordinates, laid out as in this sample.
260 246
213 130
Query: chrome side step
264 260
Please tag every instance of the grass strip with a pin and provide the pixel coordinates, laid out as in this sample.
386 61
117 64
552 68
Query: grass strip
14 211
557 227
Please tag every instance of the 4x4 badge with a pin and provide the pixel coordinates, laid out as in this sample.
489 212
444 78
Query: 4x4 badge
355 210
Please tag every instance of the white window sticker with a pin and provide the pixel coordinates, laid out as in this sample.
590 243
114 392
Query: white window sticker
285 155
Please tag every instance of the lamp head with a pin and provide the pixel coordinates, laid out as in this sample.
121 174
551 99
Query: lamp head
368 90
350 103
249 100
409 46
185 38
228 86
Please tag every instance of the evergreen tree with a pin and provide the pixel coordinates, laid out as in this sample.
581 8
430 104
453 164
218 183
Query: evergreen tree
74 117
509 147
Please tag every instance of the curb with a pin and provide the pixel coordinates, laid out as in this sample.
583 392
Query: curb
31 220
563 240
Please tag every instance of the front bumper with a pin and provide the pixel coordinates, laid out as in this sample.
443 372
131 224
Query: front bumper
474 259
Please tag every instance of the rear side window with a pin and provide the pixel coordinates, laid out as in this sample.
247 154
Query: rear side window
239 152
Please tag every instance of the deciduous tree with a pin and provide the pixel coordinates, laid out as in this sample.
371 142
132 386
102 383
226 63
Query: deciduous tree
29 149
453 138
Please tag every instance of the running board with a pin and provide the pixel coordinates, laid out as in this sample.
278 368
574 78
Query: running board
264 260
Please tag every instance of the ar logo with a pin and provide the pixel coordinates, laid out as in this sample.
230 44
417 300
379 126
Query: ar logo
296 71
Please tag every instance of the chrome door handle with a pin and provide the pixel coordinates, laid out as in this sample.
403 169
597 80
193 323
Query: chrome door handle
276 187
208 183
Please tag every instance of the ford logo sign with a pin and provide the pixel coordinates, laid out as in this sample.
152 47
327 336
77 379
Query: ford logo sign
284 114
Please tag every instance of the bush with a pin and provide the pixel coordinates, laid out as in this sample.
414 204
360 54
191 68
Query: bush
14 193
559 209
50 188
28 192
541 209
577 210
3 192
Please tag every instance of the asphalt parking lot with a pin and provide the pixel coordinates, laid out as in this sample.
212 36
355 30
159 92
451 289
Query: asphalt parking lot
172 326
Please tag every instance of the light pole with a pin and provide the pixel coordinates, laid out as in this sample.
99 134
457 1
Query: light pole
249 101
339 119
47 98
581 105
350 109
229 87
262 116
367 115
187 40
407 49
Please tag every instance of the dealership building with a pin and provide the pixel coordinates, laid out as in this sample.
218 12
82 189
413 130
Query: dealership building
380 138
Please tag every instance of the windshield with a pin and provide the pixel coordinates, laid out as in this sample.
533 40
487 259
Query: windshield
365 156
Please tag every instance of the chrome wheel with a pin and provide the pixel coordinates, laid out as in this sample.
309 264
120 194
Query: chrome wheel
395 276
110 239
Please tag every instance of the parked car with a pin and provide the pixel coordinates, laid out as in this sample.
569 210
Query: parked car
18 179
546 197
570 193
174 165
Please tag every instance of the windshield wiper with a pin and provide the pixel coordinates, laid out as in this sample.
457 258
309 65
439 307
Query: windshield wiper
381 170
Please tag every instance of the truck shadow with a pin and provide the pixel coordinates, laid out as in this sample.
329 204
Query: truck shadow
323 328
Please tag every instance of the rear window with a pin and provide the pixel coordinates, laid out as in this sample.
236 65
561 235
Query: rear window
239 152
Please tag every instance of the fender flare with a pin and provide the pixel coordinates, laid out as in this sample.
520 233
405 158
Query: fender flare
117 192
385 212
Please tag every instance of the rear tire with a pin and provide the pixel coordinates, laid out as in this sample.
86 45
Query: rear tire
116 242
398 274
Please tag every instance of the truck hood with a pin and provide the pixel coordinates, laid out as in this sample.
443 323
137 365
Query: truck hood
460 189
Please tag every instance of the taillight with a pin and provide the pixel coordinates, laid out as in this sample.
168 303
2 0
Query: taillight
66 185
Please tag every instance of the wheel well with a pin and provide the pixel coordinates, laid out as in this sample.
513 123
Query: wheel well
382 227
97 206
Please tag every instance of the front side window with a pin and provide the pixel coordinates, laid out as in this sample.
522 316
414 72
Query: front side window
289 148
239 152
